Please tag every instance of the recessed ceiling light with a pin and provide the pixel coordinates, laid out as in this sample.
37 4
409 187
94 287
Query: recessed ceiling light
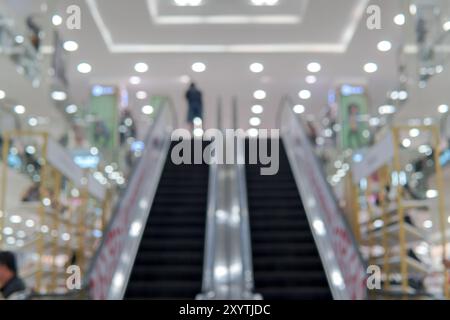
384 46
314 67
199 67
84 68
2 94
386 109
443 108
256 67
57 20
141 67
406 143
255 121
70 46
190 3
431 194
394 95
311 79
257 109
265 2
414 133
428 224
304 94
400 19
253 132
197 121
32 122
403 95
198 132
370 67
19 39
446 26
135 80
259 95
19 109
59 95
299 109
71 109
141 95
148 110
413 9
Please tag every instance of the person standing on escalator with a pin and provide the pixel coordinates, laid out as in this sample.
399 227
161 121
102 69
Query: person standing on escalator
194 98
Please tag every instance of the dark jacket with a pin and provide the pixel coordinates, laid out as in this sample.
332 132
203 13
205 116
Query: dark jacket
15 285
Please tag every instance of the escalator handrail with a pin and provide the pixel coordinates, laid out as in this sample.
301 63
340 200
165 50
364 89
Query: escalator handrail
285 102
123 192
208 290
210 243
246 244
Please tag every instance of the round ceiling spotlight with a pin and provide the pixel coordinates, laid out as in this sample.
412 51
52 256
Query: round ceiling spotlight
384 46
257 109
2 94
400 19
256 67
314 67
311 79
84 68
57 20
304 94
446 26
59 95
253 132
147 110
141 67
370 67
259 95
299 109
386 109
135 80
255 121
443 108
265 2
188 3
70 46
141 95
199 67
20 109
71 109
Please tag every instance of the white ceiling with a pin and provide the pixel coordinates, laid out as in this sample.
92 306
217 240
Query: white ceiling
228 35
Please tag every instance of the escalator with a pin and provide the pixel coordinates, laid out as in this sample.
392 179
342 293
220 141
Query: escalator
286 262
169 262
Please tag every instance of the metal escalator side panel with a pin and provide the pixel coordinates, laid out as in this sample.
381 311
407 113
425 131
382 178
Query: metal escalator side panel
110 271
342 261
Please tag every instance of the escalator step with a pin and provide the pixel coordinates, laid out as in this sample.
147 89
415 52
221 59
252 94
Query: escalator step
169 261
287 265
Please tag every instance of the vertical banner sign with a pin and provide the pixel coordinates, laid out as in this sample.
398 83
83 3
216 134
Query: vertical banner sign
353 117
104 114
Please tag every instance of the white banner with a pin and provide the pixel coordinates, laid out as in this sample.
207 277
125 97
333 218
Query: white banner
374 159
61 160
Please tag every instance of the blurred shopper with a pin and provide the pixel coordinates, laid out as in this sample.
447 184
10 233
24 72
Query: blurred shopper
11 286
36 32
194 98
311 132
